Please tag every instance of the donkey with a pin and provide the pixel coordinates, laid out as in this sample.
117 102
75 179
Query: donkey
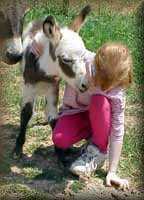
11 23
63 56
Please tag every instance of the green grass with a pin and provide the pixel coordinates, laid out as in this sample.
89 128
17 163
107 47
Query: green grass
77 186
108 26
19 191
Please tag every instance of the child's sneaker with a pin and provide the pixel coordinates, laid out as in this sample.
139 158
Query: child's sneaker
88 162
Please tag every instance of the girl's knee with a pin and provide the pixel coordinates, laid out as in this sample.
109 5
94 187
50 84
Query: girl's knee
102 145
60 141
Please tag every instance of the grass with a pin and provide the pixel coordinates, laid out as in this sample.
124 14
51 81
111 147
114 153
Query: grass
40 162
77 186
19 191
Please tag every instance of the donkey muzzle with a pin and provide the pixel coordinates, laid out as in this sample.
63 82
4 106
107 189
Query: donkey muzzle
14 50
13 57
84 85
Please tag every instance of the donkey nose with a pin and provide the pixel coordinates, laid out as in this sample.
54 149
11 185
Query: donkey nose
13 56
84 86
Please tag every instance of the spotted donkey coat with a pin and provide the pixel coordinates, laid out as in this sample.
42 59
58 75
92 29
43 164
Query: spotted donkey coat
63 56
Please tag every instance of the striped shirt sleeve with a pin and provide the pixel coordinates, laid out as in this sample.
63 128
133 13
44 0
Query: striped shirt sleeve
117 124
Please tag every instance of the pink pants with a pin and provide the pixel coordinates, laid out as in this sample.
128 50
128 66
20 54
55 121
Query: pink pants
93 124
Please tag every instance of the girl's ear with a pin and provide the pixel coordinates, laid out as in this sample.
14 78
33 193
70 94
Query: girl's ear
80 19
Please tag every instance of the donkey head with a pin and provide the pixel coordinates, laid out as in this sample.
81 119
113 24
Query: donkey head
11 23
68 49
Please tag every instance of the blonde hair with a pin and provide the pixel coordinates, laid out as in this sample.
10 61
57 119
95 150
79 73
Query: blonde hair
114 66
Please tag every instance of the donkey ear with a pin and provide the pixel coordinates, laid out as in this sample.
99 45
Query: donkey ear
52 30
49 26
79 20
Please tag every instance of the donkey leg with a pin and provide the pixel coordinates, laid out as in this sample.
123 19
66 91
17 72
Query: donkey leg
51 106
51 115
25 116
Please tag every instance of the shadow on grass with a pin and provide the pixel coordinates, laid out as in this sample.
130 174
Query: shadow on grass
7 135
101 173
41 170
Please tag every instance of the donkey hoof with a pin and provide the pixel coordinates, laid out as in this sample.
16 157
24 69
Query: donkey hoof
17 154
52 121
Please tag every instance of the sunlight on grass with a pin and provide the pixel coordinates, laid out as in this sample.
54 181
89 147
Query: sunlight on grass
31 172
20 191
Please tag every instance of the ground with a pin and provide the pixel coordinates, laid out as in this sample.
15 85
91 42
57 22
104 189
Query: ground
38 175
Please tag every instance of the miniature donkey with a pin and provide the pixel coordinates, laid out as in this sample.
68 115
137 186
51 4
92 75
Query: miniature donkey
63 56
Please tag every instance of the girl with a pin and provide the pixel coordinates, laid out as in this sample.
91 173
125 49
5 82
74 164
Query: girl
98 114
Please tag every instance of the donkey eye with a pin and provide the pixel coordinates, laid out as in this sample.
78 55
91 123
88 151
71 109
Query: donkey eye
66 60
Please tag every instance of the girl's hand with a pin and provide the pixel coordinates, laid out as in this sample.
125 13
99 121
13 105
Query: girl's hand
112 178
37 48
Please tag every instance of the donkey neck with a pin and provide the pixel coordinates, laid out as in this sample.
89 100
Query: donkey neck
47 63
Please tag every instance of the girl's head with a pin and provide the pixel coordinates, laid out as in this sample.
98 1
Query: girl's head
113 66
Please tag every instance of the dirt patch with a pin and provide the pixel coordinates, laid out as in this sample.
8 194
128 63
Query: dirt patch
124 7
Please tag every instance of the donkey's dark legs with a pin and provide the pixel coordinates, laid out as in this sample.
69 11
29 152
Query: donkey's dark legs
62 156
26 115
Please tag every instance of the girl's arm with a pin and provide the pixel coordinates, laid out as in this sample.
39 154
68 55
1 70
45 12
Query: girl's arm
116 141
114 157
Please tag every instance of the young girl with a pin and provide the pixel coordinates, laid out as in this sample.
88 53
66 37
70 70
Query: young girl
98 114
